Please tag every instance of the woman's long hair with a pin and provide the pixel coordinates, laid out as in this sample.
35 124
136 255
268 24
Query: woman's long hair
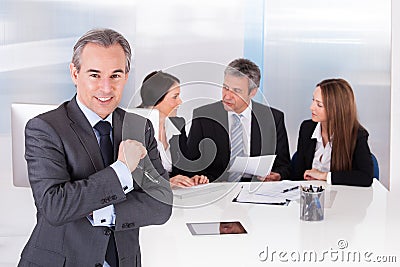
343 125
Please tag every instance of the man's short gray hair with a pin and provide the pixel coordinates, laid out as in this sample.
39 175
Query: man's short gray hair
242 67
105 38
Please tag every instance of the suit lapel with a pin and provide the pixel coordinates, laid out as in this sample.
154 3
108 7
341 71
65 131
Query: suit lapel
118 119
221 127
311 151
255 150
312 143
263 130
82 128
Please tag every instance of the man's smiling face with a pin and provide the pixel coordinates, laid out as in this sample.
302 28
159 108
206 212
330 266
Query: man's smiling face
101 79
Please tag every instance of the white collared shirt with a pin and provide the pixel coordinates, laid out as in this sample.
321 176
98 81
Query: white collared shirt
246 124
165 153
322 155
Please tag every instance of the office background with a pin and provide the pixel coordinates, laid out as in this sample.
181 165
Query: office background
296 44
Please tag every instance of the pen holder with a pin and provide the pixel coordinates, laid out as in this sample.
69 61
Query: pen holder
312 205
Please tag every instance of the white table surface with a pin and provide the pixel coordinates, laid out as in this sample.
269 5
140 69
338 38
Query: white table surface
362 223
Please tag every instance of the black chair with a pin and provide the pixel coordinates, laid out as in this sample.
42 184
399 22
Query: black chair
376 166
293 160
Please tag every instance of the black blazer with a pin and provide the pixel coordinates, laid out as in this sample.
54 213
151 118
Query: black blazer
362 167
178 148
210 125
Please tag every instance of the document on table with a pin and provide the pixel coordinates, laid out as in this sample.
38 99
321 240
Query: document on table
275 193
260 166
197 190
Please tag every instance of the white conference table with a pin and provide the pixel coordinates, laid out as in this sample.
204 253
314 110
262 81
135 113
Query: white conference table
360 226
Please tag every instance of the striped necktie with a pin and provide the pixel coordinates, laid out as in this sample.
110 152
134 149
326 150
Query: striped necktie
236 144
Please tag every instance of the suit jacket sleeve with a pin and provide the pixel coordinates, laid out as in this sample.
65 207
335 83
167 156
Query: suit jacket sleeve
282 160
195 147
195 136
181 152
150 203
362 166
178 148
62 198
305 146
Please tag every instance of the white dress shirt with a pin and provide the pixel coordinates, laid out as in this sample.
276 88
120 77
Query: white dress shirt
106 216
246 125
322 155
165 153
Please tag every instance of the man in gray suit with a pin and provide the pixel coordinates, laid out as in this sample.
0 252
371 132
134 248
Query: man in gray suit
92 189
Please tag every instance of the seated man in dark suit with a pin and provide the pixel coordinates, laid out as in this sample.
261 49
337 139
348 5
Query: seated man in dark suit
94 169
238 126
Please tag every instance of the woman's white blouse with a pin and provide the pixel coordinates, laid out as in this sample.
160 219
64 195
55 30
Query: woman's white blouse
322 155
165 153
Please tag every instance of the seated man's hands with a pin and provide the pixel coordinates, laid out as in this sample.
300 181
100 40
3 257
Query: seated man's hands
273 176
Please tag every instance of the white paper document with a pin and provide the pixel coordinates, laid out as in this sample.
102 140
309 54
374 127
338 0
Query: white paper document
260 166
197 190
278 193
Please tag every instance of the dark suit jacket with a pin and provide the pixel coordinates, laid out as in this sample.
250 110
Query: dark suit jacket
69 181
210 125
178 148
362 167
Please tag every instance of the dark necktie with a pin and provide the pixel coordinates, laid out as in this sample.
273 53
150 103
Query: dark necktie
106 147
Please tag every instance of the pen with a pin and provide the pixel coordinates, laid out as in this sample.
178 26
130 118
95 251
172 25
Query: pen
290 189
148 175
311 189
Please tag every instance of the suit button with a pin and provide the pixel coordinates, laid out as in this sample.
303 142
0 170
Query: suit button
131 225
98 265
114 197
124 225
107 232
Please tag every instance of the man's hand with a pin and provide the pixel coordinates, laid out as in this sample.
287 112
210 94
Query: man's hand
273 176
131 152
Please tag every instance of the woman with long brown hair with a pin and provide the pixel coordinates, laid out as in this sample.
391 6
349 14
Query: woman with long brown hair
333 146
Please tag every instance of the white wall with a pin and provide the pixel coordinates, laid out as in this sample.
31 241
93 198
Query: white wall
36 40
395 100
310 40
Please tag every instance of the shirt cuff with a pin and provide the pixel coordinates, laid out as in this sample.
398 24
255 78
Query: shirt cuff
124 175
329 178
104 216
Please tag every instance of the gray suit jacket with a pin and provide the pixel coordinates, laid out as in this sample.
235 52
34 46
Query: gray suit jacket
69 181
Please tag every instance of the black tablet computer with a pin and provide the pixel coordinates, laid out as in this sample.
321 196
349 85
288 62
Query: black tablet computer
216 228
